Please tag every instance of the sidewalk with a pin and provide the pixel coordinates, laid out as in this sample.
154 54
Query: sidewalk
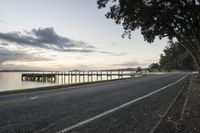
184 114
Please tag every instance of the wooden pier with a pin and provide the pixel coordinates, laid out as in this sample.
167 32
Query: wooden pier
40 77
86 76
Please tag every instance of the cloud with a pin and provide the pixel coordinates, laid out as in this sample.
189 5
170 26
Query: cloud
4 44
37 45
9 55
132 64
43 38
81 50
47 38
73 50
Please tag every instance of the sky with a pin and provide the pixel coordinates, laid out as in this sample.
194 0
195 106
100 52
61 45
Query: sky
67 35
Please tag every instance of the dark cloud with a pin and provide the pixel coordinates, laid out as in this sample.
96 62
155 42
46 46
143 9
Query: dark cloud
8 55
80 50
47 38
92 51
131 64
43 38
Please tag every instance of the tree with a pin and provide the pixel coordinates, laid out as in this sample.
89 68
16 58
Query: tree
179 19
154 66
138 69
176 57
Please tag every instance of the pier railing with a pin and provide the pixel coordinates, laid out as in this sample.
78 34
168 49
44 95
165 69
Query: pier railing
81 76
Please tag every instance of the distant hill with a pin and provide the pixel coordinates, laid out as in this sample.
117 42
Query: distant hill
122 69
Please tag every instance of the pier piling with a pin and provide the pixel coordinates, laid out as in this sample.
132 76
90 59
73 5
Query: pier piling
80 76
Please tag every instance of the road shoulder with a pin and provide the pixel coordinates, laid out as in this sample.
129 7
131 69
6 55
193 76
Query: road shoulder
184 114
141 116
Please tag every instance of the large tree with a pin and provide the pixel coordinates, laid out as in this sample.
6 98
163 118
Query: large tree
176 57
178 19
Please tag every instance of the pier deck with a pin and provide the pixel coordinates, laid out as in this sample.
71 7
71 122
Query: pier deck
52 76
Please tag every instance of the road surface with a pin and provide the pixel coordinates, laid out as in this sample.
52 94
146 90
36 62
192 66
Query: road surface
130 105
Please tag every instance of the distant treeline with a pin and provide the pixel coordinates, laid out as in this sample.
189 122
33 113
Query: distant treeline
174 57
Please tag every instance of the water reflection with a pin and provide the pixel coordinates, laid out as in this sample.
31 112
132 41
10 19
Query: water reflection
13 80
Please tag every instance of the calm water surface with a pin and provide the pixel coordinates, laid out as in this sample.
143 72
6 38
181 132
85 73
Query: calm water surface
12 81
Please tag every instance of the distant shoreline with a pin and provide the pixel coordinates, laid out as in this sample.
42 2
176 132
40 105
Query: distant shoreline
128 69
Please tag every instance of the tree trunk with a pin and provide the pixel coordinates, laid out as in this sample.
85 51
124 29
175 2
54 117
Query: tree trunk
196 57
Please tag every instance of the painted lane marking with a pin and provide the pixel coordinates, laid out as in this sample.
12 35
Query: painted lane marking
32 98
116 108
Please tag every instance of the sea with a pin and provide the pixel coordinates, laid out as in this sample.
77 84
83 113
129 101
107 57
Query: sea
13 81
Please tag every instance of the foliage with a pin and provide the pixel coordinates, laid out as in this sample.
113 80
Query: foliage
138 69
154 66
176 57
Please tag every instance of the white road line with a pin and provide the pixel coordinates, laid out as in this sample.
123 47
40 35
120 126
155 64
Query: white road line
116 108
32 98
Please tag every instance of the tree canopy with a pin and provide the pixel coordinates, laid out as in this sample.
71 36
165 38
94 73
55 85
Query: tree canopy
178 19
176 57
154 66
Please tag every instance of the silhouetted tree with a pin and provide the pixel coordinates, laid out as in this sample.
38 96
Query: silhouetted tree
154 66
138 69
178 19
176 57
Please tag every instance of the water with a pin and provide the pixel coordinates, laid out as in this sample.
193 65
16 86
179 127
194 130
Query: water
12 81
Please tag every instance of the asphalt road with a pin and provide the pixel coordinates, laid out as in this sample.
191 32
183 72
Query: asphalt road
57 110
